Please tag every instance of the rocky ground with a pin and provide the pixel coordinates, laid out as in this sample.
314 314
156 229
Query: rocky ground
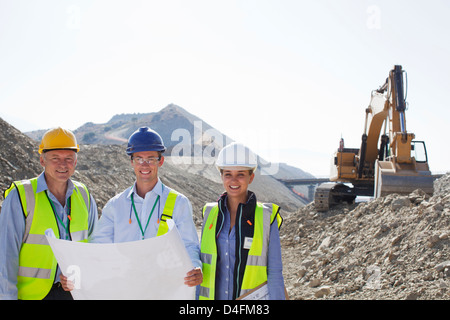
395 247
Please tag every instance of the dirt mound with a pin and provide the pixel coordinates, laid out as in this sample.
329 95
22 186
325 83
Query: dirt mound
395 247
19 158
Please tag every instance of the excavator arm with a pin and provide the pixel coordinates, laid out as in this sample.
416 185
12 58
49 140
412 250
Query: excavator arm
385 162
401 172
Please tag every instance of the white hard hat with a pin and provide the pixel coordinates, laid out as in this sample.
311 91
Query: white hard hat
236 156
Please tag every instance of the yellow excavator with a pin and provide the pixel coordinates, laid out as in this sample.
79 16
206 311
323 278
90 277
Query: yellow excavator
398 165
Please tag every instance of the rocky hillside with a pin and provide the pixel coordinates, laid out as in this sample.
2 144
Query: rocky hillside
395 247
165 122
18 157
183 133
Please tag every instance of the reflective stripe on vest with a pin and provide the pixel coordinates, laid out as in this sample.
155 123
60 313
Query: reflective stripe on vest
255 272
208 251
37 264
167 213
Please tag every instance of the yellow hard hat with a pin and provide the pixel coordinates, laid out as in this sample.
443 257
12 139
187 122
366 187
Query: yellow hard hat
57 139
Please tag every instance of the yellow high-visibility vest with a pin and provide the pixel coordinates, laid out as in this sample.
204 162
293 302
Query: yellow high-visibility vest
255 272
167 213
37 263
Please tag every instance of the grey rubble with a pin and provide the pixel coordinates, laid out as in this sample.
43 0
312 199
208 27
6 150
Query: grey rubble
394 248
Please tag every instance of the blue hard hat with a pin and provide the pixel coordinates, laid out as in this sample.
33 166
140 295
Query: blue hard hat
145 139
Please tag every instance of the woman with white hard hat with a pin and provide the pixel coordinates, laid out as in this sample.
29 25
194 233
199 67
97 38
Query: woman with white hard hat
240 243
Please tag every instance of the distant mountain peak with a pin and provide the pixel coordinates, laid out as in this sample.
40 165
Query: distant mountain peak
171 107
117 130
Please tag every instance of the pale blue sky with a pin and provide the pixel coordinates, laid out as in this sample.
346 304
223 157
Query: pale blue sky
288 78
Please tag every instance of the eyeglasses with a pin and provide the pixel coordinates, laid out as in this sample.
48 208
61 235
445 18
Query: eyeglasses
151 160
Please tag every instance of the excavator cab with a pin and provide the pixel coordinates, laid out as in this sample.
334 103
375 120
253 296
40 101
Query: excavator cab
396 175
419 151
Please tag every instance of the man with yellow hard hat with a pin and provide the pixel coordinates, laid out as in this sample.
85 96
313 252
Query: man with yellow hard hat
28 268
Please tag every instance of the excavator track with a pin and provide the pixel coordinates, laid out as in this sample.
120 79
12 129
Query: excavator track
329 194
322 196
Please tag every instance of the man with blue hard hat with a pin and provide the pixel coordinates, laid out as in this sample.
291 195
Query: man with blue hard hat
141 211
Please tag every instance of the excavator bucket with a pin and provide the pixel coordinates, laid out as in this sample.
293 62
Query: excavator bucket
392 177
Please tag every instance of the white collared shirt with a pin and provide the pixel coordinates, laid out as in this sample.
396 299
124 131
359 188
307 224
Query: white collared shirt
114 225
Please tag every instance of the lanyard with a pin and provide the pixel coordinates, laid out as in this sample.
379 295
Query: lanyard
137 218
69 210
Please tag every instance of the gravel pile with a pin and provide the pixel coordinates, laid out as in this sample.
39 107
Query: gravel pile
395 247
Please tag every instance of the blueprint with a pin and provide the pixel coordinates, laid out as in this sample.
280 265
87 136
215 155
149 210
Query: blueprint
148 269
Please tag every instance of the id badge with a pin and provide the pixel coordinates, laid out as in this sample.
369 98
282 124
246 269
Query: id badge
247 242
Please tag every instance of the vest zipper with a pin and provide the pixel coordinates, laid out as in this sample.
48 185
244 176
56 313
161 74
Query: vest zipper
239 253
221 225
69 216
